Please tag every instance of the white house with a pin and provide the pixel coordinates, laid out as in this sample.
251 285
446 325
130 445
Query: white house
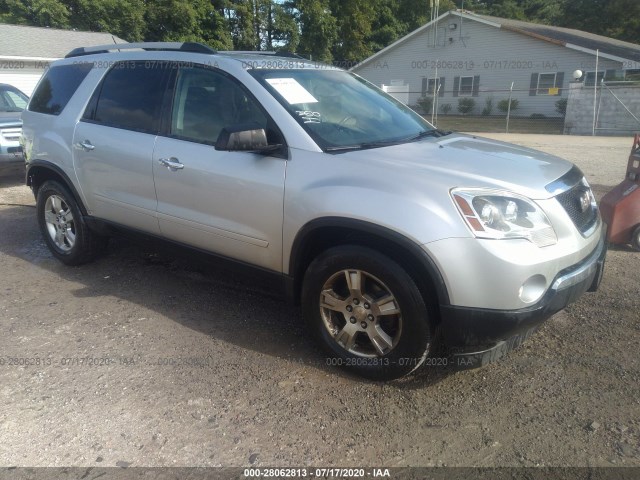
25 52
461 54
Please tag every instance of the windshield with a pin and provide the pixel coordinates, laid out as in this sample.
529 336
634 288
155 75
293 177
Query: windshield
12 100
342 111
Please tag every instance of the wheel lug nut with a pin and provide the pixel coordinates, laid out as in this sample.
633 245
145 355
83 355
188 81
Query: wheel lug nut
352 319
349 308
356 301
363 324
367 306
370 317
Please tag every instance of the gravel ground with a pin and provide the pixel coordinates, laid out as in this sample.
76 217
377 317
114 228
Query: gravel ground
144 359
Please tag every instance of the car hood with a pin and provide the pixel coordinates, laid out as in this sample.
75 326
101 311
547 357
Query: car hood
459 160
10 119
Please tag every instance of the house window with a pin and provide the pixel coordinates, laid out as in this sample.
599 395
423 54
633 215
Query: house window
466 87
546 81
589 77
609 75
432 85
632 75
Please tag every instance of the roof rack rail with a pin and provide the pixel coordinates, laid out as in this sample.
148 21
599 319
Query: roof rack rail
262 52
191 47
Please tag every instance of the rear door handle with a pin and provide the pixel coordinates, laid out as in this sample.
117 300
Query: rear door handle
87 145
172 163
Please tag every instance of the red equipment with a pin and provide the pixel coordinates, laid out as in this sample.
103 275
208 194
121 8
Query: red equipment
621 206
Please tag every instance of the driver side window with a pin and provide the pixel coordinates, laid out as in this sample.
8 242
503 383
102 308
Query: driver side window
207 101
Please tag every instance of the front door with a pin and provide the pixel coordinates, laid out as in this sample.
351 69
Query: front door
230 203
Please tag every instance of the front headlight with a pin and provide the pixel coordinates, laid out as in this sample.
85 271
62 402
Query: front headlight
500 214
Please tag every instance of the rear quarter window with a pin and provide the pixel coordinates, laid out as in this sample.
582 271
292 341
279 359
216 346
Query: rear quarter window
57 87
130 97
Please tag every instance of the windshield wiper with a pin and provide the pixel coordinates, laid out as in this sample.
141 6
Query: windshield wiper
388 143
343 148
428 133
363 146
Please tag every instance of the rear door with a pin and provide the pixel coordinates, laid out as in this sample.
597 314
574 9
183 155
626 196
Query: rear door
113 144
230 203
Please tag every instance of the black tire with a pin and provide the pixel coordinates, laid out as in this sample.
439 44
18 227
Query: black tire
69 238
408 332
635 238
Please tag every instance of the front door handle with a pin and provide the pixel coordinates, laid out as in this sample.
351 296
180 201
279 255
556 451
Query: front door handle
87 145
172 163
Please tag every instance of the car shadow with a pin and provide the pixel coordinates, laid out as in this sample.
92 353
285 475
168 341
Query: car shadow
218 302
12 175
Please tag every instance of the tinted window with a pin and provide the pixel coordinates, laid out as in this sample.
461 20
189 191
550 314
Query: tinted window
131 97
207 101
57 87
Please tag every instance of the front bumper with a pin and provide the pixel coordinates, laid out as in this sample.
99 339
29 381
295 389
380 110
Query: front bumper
475 336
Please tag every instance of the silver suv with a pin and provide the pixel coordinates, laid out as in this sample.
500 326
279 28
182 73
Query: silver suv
395 237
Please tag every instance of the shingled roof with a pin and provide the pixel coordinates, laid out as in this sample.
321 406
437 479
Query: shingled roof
564 36
49 43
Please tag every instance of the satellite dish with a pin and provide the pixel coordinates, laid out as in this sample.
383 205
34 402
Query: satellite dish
577 75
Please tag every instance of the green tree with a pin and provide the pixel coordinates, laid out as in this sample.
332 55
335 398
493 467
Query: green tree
124 18
625 20
283 32
243 18
543 11
354 19
413 13
587 15
195 21
37 13
386 28
318 28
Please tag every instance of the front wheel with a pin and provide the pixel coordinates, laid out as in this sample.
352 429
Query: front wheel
635 238
367 312
63 228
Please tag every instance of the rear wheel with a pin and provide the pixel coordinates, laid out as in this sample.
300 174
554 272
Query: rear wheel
635 238
63 228
367 312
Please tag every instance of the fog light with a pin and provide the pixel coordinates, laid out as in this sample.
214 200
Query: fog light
533 289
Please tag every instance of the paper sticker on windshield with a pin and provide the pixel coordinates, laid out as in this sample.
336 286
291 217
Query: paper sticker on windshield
291 90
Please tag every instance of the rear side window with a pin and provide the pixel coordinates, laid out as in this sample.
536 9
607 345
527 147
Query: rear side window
130 97
57 87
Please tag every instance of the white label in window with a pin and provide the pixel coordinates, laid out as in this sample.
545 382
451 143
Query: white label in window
291 90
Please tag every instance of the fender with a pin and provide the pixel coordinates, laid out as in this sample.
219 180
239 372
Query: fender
417 254
60 173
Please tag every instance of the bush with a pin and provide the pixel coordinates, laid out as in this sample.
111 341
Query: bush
465 105
488 106
426 104
561 106
537 115
445 108
503 105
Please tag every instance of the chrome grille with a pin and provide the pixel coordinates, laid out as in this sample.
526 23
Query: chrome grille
573 200
11 134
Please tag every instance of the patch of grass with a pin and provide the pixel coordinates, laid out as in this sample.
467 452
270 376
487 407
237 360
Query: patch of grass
495 124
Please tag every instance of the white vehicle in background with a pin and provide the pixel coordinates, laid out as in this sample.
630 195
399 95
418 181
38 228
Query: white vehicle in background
12 103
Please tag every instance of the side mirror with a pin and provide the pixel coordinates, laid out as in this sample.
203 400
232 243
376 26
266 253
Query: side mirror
244 138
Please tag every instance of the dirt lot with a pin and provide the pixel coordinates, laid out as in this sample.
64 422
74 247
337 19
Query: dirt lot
149 360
